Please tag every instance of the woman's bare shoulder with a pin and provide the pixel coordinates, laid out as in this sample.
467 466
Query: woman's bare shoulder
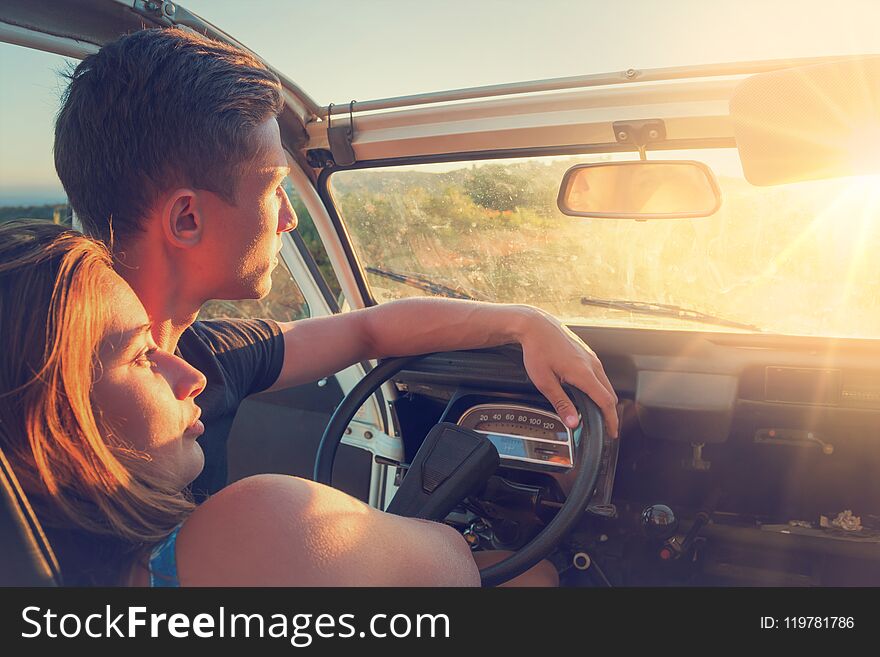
277 530
247 533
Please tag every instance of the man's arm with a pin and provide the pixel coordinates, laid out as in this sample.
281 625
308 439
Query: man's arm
552 354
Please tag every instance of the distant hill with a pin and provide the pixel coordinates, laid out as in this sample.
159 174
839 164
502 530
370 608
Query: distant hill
57 212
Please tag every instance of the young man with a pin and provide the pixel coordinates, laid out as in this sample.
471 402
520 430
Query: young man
169 149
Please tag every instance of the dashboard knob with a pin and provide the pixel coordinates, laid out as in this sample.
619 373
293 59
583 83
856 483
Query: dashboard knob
659 522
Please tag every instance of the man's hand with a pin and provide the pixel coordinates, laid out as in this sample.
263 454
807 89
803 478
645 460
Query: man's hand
553 355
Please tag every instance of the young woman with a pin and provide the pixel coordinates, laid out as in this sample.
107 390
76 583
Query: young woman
100 428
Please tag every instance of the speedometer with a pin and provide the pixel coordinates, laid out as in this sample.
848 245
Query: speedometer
522 434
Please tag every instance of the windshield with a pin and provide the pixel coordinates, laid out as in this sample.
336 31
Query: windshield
795 259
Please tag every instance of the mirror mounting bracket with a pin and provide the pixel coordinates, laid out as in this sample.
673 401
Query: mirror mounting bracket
639 133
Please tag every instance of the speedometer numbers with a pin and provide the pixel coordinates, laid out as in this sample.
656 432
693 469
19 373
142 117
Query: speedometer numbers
522 434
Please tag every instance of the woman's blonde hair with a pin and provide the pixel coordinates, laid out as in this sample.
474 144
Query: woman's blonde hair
53 314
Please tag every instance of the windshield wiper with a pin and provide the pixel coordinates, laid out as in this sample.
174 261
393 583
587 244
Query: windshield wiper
422 283
642 307
667 310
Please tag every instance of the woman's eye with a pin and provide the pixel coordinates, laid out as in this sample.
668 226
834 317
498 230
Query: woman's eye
145 359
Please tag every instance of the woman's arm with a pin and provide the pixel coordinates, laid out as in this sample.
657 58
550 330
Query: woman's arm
276 530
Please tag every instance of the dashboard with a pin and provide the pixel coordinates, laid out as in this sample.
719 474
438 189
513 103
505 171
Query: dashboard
737 453
531 438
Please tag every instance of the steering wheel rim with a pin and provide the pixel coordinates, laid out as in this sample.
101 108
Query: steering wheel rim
588 442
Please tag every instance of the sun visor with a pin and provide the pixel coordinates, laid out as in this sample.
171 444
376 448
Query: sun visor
810 122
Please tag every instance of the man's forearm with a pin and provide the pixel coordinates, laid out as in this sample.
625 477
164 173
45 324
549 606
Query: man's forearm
314 348
415 326
552 354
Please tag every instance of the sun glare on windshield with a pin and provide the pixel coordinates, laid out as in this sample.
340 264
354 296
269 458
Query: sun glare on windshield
794 259
860 200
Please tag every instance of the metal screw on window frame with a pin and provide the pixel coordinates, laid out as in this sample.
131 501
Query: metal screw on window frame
653 134
623 135
368 435
169 9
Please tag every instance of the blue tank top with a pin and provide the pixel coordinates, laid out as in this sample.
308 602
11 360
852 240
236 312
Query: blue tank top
163 562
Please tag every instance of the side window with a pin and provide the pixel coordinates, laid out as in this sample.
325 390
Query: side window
32 84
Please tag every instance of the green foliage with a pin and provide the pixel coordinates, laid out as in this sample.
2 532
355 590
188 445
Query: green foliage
506 188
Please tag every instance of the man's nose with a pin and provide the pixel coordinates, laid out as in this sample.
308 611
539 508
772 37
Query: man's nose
287 220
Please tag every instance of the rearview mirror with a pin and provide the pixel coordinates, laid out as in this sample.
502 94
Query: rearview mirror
639 190
809 122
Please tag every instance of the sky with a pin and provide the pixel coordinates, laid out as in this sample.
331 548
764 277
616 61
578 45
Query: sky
357 49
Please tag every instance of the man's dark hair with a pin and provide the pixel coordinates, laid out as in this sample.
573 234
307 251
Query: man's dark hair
152 110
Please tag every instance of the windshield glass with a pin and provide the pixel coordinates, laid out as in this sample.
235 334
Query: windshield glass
795 259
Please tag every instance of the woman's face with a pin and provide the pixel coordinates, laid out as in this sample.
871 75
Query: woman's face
146 397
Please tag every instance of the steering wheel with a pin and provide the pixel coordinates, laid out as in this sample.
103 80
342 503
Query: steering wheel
588 440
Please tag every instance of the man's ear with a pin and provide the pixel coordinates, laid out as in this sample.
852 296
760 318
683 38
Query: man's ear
182 220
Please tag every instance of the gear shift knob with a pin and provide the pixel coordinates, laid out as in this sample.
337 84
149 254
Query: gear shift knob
659 522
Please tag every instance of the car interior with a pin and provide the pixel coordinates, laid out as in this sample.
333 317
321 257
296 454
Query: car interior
748 451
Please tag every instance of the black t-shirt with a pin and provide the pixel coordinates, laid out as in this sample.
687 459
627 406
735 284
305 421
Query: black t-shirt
239 357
